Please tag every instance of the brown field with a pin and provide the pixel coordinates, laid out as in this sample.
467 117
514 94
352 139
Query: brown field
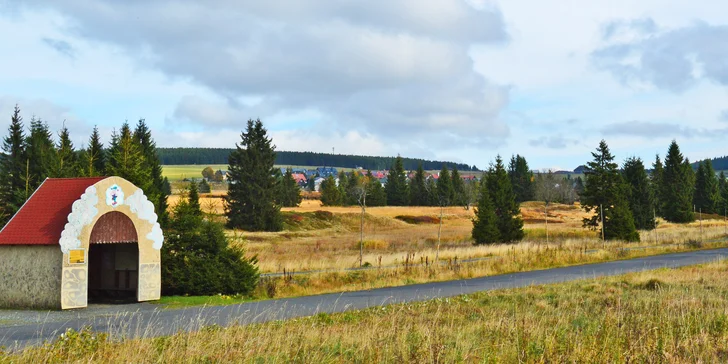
327 239
672 316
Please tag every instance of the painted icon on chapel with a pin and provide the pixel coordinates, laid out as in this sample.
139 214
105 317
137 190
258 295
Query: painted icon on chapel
114 196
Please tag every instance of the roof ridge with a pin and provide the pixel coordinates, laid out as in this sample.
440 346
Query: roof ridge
67 178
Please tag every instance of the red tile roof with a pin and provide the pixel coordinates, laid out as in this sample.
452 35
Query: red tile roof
42 218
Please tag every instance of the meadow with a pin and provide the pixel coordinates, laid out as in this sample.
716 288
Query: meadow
668 315
326 240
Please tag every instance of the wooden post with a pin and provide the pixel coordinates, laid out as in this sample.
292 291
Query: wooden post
701 224
604 240
546 219
439 233
654 217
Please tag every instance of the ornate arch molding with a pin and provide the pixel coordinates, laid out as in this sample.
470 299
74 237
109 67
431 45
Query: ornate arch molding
107 195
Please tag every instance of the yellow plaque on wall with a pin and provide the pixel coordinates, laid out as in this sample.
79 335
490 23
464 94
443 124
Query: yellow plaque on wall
77 256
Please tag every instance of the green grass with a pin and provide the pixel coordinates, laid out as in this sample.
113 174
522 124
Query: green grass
190 301
178 173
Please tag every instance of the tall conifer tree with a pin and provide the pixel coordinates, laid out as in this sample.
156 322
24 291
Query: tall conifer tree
658 172
330 193
290 192
606 192
250 203
521 179
641 202
66 161
126 159
444 188
396 187
485 228
723 189
458 188
707 196
418 188
154 188
41 154
93 162
13 164
375 192
677 186
507 210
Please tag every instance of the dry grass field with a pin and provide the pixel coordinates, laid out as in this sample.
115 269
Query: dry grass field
673 316
326 239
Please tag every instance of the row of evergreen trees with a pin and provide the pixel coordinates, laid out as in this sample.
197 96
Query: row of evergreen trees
624 201
447 190
29 157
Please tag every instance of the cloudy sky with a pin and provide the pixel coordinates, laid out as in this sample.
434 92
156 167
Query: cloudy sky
460 80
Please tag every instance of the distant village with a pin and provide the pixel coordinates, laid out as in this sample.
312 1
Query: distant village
303 176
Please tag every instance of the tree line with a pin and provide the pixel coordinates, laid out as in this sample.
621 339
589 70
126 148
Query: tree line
179 156
448 189
30 156
625 200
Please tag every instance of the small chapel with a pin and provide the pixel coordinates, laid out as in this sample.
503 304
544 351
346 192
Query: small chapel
77 241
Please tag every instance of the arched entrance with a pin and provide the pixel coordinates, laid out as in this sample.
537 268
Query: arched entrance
113 260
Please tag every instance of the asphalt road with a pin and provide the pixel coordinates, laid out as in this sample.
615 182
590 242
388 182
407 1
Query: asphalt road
151 321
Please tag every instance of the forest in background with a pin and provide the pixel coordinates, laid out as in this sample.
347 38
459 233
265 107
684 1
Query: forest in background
205 156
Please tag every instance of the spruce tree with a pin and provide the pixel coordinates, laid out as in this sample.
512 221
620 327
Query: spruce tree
507 210
343 188
641 201
605 191
330 193
93 162
521 179
126 160
198 259
656 183
418 188
290 193
13 164
458 189
723 190
66 161
432 195
396 187
193 198
250 203
354 183
444 188
375 192
485 228
676 191
154 186
41 154
707 195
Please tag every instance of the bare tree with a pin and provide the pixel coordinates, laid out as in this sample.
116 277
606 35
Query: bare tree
472 192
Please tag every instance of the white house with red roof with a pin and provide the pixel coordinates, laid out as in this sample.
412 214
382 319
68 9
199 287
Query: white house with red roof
81 240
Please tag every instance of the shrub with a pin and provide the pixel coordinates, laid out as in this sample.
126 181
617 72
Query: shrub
418 219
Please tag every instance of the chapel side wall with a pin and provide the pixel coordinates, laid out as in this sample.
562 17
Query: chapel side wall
31 276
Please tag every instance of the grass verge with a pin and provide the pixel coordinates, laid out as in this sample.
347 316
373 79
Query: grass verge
658 316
